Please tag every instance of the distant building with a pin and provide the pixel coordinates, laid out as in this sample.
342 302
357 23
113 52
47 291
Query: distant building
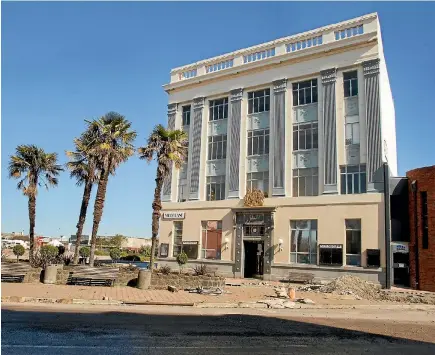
134 243
86 239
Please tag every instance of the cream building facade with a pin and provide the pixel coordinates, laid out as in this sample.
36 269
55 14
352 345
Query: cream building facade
308 119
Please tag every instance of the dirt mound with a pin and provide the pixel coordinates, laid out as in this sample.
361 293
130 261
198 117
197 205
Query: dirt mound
352 285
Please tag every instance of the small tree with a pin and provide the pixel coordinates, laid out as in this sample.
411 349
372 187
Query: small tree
115 253
47 255
84 252
18 251
145 250
182 260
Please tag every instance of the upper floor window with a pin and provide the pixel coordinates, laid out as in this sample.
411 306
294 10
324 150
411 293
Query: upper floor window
350 81
305 92
305 136
352 130
186 116
259 181
215 186
258 142
259 101
217 147
353 179
305 182
218 109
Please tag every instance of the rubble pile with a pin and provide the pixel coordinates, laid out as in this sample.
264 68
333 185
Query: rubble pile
354 286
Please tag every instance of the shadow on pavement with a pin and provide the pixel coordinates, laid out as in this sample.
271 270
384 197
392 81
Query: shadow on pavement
36 332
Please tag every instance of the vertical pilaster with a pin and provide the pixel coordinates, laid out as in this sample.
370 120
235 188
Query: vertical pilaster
329 77
167 183
279 94
234 143
373 123
198 108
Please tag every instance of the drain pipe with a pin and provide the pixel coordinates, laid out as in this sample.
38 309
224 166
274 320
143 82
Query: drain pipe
417 262
387 226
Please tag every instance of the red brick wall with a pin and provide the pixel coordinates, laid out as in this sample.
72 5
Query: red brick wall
425 178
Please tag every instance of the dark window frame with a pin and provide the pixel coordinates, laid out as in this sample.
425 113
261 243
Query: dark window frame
330 250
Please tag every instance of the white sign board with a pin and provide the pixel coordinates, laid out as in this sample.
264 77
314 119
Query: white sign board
173 215
400 248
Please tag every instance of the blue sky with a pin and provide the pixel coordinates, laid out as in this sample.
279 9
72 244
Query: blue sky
64 62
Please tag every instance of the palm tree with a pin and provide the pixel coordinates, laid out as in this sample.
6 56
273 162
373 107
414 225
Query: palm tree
83 167
112 144
168 147
34 167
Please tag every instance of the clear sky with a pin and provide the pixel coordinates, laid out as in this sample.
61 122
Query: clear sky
64 62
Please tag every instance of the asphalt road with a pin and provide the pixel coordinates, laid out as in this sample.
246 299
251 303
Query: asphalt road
64 330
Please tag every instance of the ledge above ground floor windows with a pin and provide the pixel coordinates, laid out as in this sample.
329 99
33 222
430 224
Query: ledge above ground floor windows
345 268
198 261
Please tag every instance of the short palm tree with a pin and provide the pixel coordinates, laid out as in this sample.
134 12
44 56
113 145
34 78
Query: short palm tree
83 167
34 168
168 147
112 144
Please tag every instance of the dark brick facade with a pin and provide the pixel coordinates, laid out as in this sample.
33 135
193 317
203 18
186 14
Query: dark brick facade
425 182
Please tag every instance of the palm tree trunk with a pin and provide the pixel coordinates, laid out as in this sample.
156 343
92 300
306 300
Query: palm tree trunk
32 218
157 206
82 218
98 211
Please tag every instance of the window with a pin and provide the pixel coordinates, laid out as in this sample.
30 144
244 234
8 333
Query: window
217 147
303 241
259 101
218 109
305 136
186 115
353 242
305 182
253 57
350 80
352 130
349 32
305 92
373 258
183 193
258 142
425 219
191 249
178 237
211 240
353 179
253 230
331 254
259 181
215 188
306 43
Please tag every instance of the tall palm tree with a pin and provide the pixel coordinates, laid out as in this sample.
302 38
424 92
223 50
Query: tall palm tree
34 167
167 147
83 167
112 144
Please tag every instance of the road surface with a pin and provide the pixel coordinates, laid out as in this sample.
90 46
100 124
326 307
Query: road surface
92 330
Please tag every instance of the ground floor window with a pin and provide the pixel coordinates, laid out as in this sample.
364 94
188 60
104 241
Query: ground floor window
211 240
303 241
178 237
353 242
191 249
331 254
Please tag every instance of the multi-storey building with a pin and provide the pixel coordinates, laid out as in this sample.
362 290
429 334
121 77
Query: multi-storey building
309 120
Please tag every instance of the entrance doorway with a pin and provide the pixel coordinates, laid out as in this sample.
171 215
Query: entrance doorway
254 252
401 269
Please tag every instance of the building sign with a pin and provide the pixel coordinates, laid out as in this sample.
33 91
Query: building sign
400 248
331 246
173 215
164 250
189 243
254 218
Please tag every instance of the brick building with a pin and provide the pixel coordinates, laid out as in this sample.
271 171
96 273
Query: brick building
422 227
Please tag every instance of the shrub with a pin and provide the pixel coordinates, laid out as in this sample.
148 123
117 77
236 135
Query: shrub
145 250
46 255
200 270
67 259
123 254
131 257
115 253
85 252
102 252
165 270
18 251
182 259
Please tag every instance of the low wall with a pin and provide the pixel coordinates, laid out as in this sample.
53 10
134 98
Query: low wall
225 268
183 281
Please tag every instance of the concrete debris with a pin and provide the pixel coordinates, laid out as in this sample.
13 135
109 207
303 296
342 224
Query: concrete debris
172 288
212 291
281 292
277 303
306 301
